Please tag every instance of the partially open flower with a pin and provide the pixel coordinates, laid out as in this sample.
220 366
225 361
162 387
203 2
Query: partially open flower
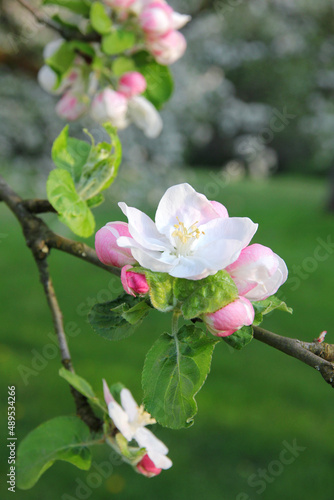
70 106
110 106
131 421
134 283
167 48
106 246
230 318
258 272
132 84
156 18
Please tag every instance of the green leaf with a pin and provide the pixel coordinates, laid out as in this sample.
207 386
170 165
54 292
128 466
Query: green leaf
161 289
175 369
83 47
265 306
118 319
77 6
99 18
158 78
122 65
62 438
118 41
70 154
79 383
101 167
72 210
240 338
64 23
95 201
62 60
205 296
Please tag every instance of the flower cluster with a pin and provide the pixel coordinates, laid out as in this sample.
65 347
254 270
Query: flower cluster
91 87
193 238
159 24
131 420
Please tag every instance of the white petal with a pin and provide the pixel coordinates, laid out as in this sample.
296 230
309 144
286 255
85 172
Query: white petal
146 439
129 404
223 240
52 47
160 461
271 285
191 268
180 20
120 419
145 116
143 229
152 260
183 202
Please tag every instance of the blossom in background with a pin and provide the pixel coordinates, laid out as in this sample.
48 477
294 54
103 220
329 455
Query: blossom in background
189 239
131 421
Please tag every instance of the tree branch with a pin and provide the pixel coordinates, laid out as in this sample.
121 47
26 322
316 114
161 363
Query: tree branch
66 34
304 351
37 235
38 206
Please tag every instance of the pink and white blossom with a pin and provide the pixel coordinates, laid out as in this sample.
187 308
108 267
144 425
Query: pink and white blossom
106 246
188 238
230 318
168 48
131 421
145 116
71 106
110 106
258 272
134 283
132 84
119 4
156 18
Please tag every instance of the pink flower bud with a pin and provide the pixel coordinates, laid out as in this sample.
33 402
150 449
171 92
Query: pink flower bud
134 283
110 106
168 48
132 84
156 18
106 246
147 467
230 318
70 107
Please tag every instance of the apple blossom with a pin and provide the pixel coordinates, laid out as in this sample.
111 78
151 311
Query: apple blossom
70 106
134 283
188 239
119 4
109 105
132 84
180 20
156 18
131 421
49 81
106 246
258 272
230 318
168 48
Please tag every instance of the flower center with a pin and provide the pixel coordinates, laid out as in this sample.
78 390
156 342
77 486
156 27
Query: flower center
184 237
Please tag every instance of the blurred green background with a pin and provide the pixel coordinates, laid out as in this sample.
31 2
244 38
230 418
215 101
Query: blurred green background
245 60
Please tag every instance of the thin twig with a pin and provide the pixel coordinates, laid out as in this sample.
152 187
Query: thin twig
297 349
38 206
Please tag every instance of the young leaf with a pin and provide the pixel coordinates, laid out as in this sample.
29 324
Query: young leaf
175 369
122 65
205 296
62 438
118 41
77 6
72 210
70 154
118 319
79 383
158 78
62 60
99 18
265 306
240 338
161 289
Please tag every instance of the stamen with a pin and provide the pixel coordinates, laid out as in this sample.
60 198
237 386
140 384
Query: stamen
185 235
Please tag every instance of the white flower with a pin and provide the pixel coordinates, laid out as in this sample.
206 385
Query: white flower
131 421
144 115
189 238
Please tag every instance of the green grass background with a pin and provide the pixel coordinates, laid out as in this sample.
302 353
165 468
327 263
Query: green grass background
253 400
